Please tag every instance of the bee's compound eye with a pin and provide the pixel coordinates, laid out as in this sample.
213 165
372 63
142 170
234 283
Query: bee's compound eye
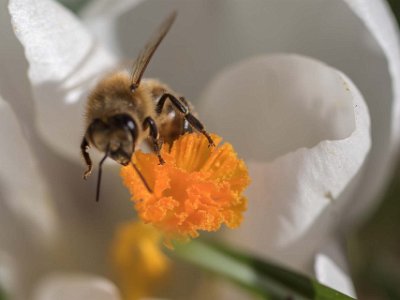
131 124
125 121
121 119
97 132
97 125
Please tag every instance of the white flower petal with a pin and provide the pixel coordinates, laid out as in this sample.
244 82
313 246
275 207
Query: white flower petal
379 20
75 286
63 60
24 196
28 221
331 268
303 127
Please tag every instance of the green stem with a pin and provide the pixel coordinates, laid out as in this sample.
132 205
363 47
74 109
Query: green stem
259 277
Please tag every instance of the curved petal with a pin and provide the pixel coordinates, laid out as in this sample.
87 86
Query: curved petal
378 19
330 268
303 128
75 286
64 59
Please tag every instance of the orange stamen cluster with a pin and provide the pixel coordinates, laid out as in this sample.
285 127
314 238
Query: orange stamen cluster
198 188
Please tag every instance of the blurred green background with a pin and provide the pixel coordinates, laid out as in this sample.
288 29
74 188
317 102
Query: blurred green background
395 4
374 249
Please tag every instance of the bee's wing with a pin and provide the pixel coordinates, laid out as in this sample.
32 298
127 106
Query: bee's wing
145 55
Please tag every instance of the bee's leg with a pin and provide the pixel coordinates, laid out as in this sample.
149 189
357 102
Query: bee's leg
86 156
182 106
151 124
196 124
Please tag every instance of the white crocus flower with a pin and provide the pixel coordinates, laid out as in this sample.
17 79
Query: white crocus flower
303 126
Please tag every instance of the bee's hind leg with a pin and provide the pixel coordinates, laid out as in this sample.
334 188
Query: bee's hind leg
182 106
151 124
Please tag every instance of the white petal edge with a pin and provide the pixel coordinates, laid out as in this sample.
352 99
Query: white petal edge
331 269
294 199
64 61
64 286
378 18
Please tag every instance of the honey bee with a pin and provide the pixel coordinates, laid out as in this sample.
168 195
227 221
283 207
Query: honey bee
124 110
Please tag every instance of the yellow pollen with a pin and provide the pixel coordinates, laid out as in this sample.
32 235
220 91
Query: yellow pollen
198 188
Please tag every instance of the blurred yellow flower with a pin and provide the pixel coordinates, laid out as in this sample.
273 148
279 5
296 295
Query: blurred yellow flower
137 259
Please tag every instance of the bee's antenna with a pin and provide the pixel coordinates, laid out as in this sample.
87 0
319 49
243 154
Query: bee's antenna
99 176
142 177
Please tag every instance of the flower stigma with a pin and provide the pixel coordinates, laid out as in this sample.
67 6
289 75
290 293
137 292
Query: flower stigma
198 188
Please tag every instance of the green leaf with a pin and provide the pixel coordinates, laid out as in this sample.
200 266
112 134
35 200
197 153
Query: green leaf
3 295
261 278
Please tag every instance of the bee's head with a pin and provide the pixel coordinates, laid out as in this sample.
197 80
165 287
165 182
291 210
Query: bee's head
116 136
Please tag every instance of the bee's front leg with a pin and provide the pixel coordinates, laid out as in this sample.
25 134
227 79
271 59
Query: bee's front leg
181 105
151 124
86 156
200 127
